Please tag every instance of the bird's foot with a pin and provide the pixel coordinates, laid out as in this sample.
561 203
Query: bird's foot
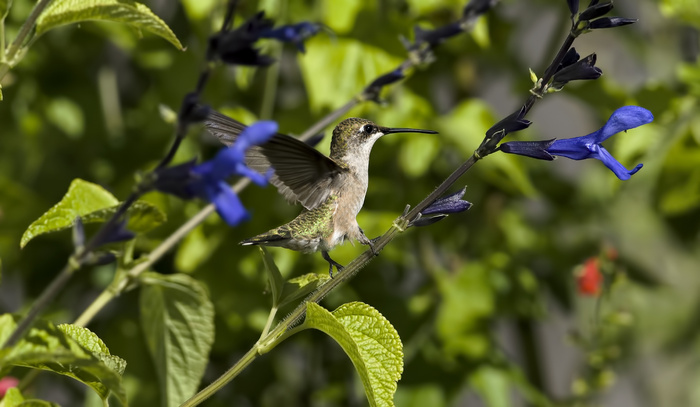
370 242
331 263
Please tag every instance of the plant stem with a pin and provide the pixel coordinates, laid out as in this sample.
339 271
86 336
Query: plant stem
270 320
26 28
95 307
44 299
208 391
270 92
3 58
328 119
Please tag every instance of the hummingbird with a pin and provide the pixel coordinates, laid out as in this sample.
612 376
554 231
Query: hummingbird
331 189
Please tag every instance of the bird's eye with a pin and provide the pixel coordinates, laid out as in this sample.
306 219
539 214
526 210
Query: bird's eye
368 129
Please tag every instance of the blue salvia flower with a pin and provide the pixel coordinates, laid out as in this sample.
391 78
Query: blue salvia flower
589 146
295 33
208 180
442 207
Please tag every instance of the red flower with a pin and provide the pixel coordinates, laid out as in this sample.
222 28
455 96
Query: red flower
6 383
589 279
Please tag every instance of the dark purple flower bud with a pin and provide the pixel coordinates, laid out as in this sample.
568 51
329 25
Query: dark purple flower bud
573 6
583 69
589 146
427 221
442 207
510 124
236 46
372 90
592 3
595 11
438 35
191 111
570 58
114 232
174 180
611 22
534 149
387 79
449 204
295 33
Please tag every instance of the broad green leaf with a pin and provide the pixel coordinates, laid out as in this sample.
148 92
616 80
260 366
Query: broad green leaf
493 386
178 320
468 291
417 153
67 116
94 344
59 350
340 15
423 7
137 15
14 398
685 10
82 198
372 344
301 286
199 9
142 216
480 32
353 61
196 248
276 280
432 395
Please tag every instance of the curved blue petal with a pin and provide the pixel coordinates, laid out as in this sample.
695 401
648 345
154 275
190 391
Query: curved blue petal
624 118
227 204
577 148
255 134
622 173
256 177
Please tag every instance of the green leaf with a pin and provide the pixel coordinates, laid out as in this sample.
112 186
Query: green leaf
372 344
276 280
178 320
13 398
301 286
196 248
143 216
137 15
67 350
67 116
94 344
340 15
493 385
470 292
82 198
353 61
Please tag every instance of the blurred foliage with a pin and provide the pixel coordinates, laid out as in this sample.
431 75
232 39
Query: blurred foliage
485 302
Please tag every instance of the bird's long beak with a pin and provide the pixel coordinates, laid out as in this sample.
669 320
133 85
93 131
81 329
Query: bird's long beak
389 130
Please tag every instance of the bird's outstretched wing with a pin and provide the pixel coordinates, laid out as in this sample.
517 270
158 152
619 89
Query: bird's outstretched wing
301 173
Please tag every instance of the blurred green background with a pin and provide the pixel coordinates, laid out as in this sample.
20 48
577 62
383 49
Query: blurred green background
486 302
